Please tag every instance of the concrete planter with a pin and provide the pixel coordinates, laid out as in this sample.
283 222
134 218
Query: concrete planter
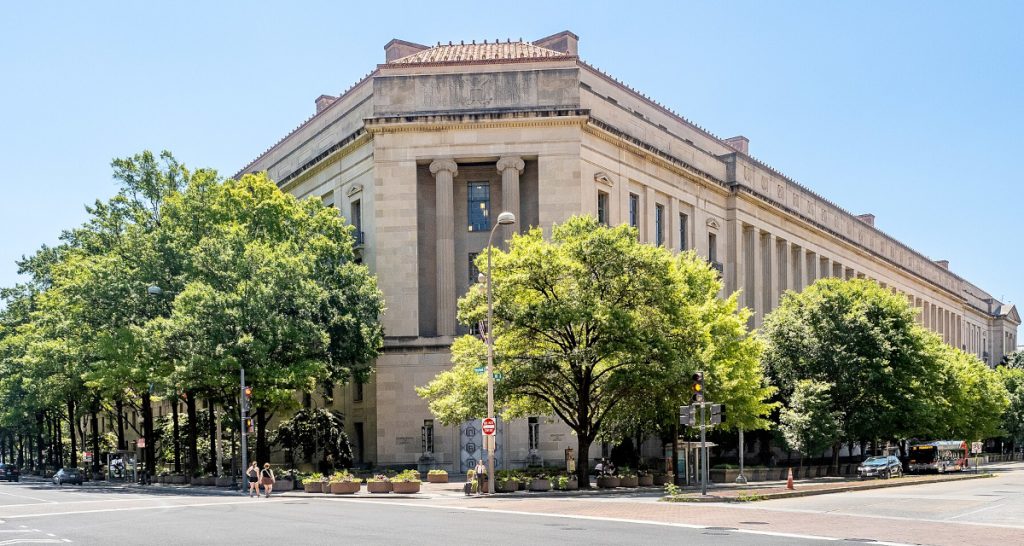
378 487
345 488
724 475
629 481
284 484
437 478
608 482
662 479
406 488
540 485
313 487
645 481
506 486
224 481
571 485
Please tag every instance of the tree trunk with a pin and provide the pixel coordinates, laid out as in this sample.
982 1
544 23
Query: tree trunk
94 424
835 458
119 408
192 433
176 439
71 433
147 432
582 461
21 450
675 454
212 430
262 449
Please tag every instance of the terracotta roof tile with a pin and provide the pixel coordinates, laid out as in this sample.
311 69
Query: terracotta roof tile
449 53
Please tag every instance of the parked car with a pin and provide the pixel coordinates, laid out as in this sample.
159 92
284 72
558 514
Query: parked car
10 472
68 475
880 467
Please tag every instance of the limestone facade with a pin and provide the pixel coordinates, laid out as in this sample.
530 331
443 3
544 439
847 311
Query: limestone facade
411 152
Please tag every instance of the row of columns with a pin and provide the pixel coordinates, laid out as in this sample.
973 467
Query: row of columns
766 265
444 172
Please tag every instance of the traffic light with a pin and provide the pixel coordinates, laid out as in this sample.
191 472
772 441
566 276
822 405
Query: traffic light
698 387
717 414
686 416
248 425
246 398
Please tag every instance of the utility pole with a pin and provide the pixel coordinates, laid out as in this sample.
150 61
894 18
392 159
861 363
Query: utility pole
703 453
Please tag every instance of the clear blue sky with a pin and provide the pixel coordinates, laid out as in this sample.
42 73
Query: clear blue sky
912 111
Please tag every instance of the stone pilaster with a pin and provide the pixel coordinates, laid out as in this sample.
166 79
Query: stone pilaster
510 168
772 265
756 300
444 171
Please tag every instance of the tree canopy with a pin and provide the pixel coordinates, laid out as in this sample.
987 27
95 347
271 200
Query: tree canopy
590 323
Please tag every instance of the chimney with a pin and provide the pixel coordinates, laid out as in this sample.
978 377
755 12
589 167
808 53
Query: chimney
396 49
868 219
739 143
323 101
565 42
944 264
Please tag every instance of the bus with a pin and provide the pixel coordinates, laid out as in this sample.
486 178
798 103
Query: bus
941 456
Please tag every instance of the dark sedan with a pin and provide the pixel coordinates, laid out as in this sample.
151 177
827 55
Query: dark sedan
68 475
880 467
10 472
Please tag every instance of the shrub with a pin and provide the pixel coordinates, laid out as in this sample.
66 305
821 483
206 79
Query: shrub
342 476
407 476
437 472
378 478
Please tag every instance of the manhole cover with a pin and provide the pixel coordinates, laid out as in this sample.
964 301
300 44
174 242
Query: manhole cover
754 523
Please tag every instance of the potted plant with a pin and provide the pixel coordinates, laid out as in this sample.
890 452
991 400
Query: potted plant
540 482
314 483
628 478
608 482
285 479
645 478
226 481
662 479
406 482
566 483
344 483
379 483
524 482
437 476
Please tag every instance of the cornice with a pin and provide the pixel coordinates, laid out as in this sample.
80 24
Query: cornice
480 120
329 157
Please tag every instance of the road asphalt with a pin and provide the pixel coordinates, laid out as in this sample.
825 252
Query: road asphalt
987 511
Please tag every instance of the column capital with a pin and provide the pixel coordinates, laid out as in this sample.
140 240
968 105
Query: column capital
448 165
511 162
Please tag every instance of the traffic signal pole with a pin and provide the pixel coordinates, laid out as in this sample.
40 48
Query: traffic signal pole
241 422
703 454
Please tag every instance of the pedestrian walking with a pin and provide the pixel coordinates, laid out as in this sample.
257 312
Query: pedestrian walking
267 479
481 476
253 475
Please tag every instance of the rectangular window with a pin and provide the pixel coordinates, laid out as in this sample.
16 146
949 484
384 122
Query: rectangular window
534 431
360 438
358 395
602 208
479 203
428 436
357 220
683 219
474 272
659 225
634 210
712 248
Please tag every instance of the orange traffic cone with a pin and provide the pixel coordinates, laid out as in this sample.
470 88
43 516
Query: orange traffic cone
789 479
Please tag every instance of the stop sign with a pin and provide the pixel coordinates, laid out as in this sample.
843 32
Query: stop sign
488 426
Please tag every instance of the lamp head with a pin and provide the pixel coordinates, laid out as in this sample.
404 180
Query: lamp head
506 218
481 278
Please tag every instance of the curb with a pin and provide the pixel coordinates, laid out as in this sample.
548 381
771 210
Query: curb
828 491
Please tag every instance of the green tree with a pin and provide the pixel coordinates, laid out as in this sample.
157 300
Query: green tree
1013 417
592 321
317 434
809 424
860 339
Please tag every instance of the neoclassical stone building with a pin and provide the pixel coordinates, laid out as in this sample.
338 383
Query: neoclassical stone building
424 152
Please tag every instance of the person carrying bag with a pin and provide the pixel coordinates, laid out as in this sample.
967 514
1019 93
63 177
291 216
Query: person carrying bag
267 479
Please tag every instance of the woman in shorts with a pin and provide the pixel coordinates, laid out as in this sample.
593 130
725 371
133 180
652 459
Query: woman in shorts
253 475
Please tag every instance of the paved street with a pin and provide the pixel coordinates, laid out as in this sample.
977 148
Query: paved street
976 511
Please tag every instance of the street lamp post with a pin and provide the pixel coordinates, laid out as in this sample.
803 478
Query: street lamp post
504 219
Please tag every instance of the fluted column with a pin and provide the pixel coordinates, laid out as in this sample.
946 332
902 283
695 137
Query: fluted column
756 299
444 171
510 168
772 263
